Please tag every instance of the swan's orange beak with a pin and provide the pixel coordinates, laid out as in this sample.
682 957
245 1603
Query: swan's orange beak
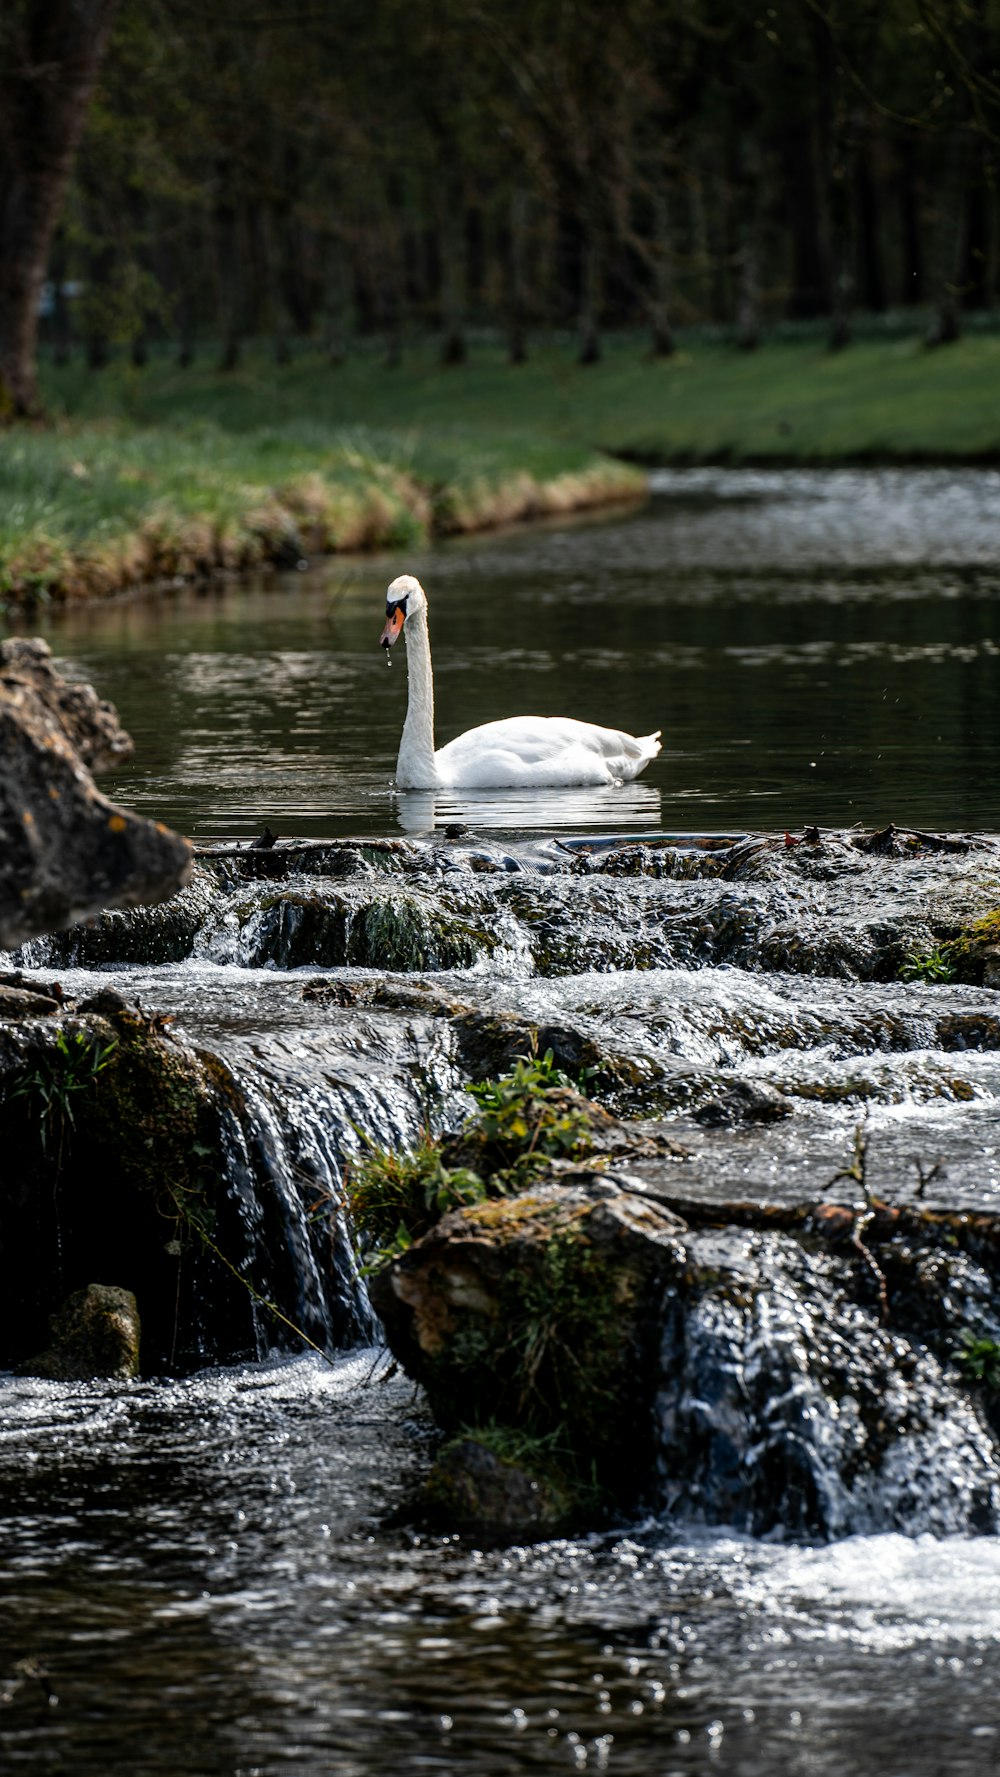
395 619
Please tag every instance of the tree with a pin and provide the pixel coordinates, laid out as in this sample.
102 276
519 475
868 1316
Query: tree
50 54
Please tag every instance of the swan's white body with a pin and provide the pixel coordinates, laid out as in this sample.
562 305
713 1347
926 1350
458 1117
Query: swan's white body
519 753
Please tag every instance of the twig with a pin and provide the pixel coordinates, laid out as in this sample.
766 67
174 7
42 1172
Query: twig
864 1215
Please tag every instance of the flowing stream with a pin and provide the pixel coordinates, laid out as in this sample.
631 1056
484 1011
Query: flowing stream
225 1573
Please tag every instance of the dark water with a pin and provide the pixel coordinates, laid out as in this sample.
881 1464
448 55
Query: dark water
200 1578
817 648
222 1575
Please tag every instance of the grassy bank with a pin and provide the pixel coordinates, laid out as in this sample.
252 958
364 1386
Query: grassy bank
152 473
94 506
884 398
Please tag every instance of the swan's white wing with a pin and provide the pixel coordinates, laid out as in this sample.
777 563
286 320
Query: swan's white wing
542 750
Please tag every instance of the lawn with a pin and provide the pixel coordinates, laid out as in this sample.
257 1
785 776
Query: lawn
146 474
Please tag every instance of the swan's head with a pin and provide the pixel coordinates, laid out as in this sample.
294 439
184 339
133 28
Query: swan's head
404 598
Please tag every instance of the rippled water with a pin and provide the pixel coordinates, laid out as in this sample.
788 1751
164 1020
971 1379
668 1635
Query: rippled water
817 647
200 1578
226 1574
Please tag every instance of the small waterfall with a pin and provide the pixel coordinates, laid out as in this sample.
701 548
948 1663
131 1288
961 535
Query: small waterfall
784 1403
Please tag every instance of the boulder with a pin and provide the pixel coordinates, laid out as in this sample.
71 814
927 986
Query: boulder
539 1311
473 1485
65 850
817 1368
94 1334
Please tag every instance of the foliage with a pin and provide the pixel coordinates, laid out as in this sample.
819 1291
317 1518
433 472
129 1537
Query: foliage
933 966
53 1085
524 1118
551 1458
979 1358
395 1198
525 1114
561 1332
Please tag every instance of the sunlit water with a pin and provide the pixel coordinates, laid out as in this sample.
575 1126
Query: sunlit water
817 648
226 1574
201 1579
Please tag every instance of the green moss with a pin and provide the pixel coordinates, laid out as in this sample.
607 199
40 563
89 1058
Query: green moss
962 958
979 1359
402 933
503 1478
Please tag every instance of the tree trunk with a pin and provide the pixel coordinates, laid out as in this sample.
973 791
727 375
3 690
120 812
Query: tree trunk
662 330
62 329
841 258
50 54
517 341
453 244
809 296
334 300
745 180
912 235
871 278
950 240
588 331
226 233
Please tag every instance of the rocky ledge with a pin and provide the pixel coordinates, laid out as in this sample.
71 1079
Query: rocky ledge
821 1368
66 852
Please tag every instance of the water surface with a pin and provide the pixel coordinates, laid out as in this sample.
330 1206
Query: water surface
225 1574
818 647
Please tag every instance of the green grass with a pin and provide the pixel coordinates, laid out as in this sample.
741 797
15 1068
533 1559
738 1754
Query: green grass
886 398
147 474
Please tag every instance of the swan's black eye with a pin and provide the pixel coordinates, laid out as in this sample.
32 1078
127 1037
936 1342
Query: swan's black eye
392 607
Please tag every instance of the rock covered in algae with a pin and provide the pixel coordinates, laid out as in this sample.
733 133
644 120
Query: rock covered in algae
536 1310
94 1334
770 1369
65 850
474 1485
128 1154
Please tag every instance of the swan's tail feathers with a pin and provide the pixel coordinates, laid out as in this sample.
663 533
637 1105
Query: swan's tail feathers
641 749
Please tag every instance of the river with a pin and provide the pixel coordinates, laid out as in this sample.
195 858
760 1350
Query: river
224 1574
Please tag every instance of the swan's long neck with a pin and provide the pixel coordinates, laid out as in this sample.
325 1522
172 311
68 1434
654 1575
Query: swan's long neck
415 765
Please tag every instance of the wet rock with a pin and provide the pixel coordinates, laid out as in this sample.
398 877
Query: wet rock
472 1485
743 1370
22 1002
324 927
129 1154
783 1402
743 1101
94 1334
65 850
535 1310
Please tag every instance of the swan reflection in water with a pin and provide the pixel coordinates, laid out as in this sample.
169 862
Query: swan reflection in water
581 810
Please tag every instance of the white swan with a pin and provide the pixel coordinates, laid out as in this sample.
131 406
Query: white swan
519 753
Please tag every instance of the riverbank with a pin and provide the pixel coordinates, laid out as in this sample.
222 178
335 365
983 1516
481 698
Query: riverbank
153 474
886 398
92 508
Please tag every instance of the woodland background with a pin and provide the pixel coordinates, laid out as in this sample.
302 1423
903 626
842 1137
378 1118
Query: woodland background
195 176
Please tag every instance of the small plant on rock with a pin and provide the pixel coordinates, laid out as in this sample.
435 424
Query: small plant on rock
979 1358
395 1198
532 1114
53 1085
933 966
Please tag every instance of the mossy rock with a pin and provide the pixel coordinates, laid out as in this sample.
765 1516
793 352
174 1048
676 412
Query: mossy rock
974 956
112 1134
328 930
549 1296
95 1334
475 1484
